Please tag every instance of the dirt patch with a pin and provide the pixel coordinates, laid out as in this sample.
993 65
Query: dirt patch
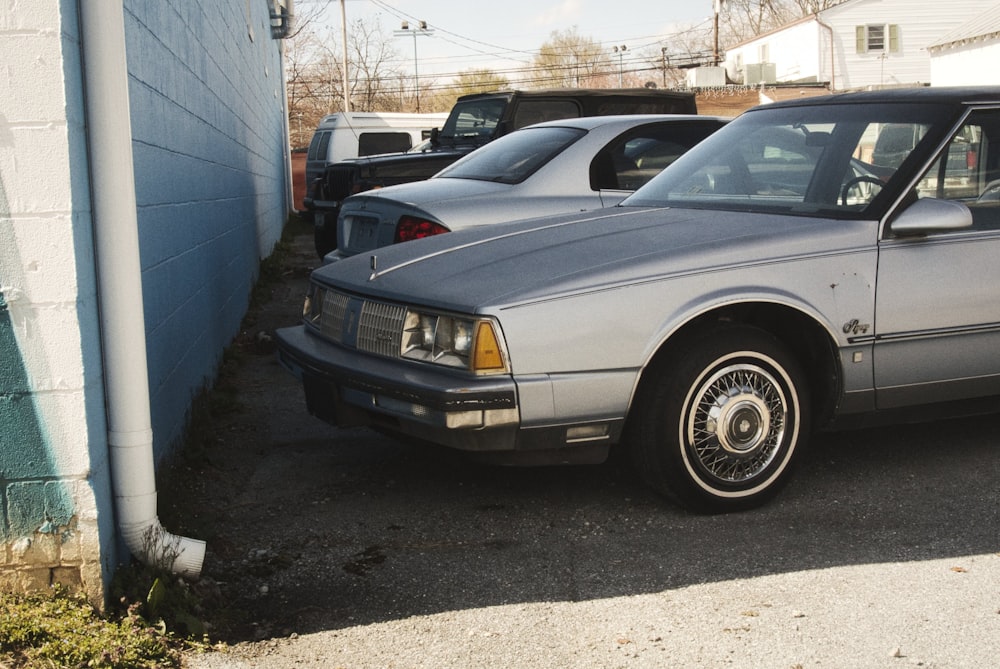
222 489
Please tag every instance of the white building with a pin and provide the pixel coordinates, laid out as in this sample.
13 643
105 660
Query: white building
969 55
143 176
856 44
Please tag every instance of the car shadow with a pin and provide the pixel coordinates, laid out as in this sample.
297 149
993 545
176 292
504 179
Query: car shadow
373 530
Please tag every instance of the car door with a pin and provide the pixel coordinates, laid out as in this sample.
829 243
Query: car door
937 317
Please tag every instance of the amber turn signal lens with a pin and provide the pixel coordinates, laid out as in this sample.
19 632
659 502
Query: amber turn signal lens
487 355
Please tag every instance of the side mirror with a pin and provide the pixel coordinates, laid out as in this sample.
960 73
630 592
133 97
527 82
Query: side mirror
435 136
931 215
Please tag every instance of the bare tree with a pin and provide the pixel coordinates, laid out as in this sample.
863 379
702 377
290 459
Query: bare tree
466 83
810 7
314 73
687 48
312 86
569 60
375 84
741 20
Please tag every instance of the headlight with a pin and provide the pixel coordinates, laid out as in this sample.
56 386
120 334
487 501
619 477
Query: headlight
467 343
394 331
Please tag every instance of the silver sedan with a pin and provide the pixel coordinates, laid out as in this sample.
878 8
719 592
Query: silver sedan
814 264
549 168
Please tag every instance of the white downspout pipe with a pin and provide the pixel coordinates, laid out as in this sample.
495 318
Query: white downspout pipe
833 54
130 434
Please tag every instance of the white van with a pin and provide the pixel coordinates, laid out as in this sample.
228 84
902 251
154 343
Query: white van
353 134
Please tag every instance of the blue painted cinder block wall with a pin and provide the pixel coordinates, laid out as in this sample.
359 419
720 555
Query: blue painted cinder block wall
209 146
210 159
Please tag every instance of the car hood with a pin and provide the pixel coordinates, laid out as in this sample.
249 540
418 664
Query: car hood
503 265
429 191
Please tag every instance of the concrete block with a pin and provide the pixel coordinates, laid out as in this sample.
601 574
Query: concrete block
38 506
67 576
24 581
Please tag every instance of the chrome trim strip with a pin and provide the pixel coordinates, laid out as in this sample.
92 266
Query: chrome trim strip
941 332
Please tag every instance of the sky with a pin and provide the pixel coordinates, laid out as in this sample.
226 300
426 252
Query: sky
505 35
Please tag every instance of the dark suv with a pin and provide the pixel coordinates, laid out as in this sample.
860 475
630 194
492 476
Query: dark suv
474 121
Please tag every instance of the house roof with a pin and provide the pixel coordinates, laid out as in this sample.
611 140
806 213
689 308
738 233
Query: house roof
986 24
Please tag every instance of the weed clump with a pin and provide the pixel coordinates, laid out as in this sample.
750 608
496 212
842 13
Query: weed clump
59 629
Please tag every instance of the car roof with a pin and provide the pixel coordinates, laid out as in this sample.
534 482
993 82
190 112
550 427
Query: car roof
625 120
915 95
582 93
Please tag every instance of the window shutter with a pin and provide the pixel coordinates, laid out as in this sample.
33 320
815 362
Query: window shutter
894 38
859 38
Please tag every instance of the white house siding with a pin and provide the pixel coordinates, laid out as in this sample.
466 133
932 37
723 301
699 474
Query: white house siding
207 110
803 49
783 48
920 22
968 55
967 65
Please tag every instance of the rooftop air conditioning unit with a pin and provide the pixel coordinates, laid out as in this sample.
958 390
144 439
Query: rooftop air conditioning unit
707 77
761 73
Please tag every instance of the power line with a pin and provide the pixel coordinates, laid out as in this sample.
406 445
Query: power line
403 15
520 55
526 71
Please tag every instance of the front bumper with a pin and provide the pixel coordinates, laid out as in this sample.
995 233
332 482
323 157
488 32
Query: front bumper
348 388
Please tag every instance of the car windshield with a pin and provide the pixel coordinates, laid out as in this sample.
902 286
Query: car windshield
834 159
473 120
514 157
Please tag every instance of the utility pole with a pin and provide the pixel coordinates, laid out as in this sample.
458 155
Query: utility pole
406 32
343 40
715 51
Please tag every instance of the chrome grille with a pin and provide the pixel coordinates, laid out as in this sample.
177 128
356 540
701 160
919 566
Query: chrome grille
370 326
380 330
334 313
338 181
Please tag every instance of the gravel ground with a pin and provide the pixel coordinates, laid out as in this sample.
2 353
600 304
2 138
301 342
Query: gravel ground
926 614
343 548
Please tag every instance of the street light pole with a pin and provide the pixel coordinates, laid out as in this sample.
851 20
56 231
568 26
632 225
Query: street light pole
405 32
620 50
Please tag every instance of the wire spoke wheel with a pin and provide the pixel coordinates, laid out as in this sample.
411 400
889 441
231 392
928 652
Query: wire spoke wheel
719 420
736 423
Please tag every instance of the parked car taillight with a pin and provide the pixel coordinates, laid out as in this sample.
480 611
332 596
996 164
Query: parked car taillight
411 227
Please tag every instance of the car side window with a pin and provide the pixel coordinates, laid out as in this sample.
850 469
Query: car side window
633 159
318 145
881 150
374 143
968 170
529 112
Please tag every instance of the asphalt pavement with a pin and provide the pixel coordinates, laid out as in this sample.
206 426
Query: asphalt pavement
345 548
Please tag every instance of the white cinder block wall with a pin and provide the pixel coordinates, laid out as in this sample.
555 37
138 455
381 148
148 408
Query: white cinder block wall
54 493
210 157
